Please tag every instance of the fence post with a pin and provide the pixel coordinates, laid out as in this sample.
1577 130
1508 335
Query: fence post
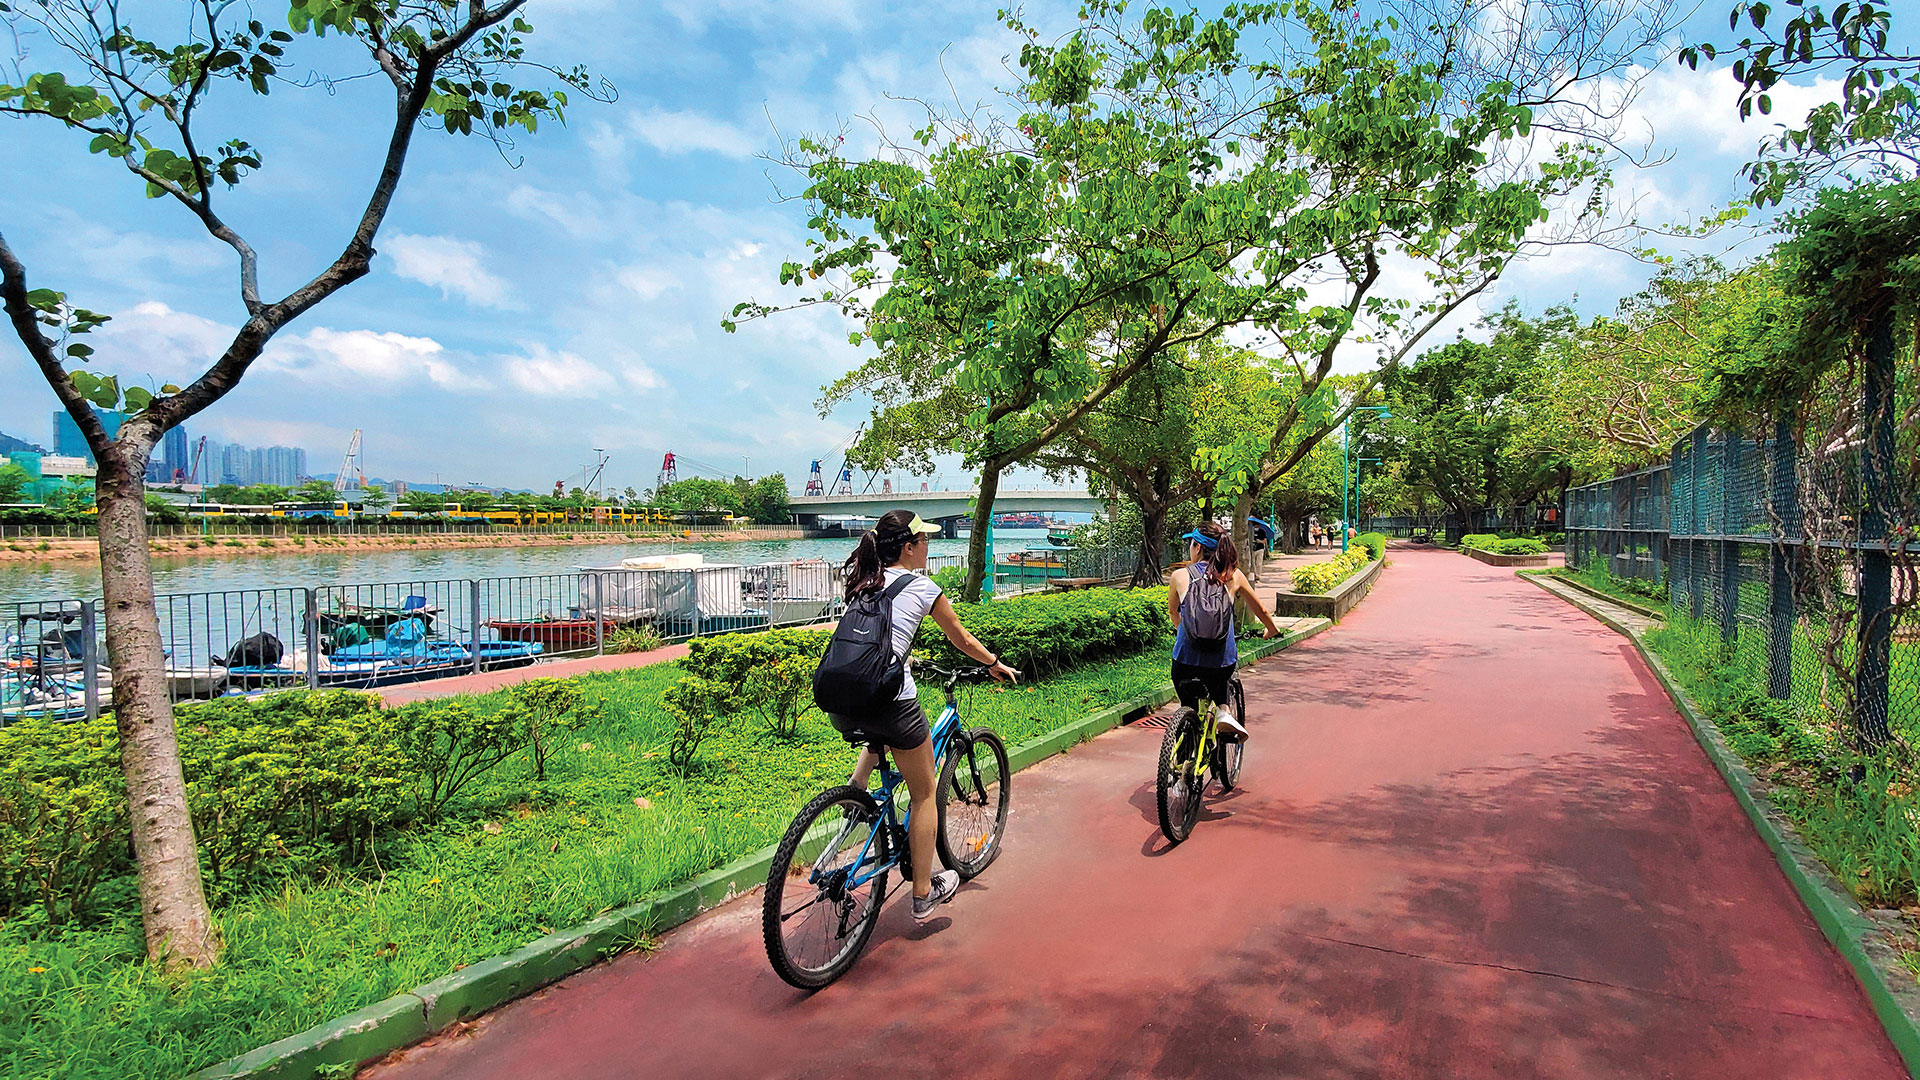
312 632
473 619
1696 573
600 617
1728 546
1876 561
1784 503
89 658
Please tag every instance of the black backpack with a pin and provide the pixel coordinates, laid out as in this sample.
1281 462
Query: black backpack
860 671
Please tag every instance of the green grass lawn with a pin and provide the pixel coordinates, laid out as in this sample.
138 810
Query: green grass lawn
514 859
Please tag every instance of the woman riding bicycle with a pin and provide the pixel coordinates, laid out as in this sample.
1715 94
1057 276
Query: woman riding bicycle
896 547
1200 603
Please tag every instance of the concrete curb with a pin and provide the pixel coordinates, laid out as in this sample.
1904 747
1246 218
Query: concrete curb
1637 609
407 1018
1335 604
1492 559
1854 934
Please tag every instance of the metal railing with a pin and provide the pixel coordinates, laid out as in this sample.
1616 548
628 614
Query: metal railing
368 635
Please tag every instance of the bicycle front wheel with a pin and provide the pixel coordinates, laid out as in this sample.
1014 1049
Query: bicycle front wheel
973 800
1177 784
825 887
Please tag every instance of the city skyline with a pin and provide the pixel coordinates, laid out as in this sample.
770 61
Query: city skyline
515 318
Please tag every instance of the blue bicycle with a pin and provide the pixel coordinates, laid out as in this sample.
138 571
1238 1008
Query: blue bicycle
829 874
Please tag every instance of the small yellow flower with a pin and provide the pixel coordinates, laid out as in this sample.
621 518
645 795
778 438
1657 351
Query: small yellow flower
433 881
37 971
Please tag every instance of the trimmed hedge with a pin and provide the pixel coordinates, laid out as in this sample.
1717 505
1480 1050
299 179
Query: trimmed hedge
1497 545
1375 543
1043 633
1054 632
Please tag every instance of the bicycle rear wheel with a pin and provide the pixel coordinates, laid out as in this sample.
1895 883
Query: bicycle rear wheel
814 918
1178 781
974 794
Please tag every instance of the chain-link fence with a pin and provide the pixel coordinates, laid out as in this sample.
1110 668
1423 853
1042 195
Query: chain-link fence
1790 559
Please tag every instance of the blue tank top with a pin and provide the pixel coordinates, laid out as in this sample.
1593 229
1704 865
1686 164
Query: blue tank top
1226 654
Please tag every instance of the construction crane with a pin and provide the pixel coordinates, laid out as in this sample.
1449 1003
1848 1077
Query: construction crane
193 470
599 466
340 482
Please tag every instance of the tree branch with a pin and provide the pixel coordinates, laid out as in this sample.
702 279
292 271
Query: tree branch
26 324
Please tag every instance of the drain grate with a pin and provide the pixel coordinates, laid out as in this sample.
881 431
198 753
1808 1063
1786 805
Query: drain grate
1153 720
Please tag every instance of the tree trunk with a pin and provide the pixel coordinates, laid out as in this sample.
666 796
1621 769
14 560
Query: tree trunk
1155 504
977 538
1153 545
173 904
1289 526
1242 531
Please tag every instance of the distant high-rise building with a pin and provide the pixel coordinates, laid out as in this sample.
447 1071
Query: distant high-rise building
174 455
397 487
67 440
235 465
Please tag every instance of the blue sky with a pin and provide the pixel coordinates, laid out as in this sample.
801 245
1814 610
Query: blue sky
518 317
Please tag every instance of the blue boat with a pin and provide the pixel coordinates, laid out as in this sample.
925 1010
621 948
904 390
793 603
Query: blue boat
406 653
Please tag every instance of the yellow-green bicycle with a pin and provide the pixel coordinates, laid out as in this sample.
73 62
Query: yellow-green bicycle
1191 749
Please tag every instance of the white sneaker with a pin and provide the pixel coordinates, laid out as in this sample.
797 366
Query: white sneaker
1231 730
945 884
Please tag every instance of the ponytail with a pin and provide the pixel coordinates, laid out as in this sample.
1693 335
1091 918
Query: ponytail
866 569
1223 558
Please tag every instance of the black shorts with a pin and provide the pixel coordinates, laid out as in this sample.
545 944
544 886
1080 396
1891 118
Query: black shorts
898 725
1214 679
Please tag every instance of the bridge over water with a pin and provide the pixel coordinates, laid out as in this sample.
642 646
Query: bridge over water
945 507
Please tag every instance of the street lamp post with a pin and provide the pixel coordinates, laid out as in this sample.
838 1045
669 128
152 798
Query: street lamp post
1347 500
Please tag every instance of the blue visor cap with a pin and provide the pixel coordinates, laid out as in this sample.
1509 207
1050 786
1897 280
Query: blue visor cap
1202 539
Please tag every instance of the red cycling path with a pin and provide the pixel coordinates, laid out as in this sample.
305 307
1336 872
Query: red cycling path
1474 839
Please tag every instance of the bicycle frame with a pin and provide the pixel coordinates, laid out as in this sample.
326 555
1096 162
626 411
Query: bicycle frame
1203 708
890 778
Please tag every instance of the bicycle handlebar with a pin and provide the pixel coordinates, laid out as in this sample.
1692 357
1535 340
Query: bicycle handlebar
953 675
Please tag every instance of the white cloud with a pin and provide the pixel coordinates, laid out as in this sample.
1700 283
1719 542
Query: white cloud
557 373
453 266
361 355
647 282
682 132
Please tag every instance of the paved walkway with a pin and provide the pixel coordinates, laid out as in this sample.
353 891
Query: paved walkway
1474 840
499 679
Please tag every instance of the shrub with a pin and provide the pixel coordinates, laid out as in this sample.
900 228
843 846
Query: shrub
447 744
63 814
303 779
538 710
728 658
1478 540
633 639
1520 545
782 692
695 705
1048 633
951 579
1375 543
1321 577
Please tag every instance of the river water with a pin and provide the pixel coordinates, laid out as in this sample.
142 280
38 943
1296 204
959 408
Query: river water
77 579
